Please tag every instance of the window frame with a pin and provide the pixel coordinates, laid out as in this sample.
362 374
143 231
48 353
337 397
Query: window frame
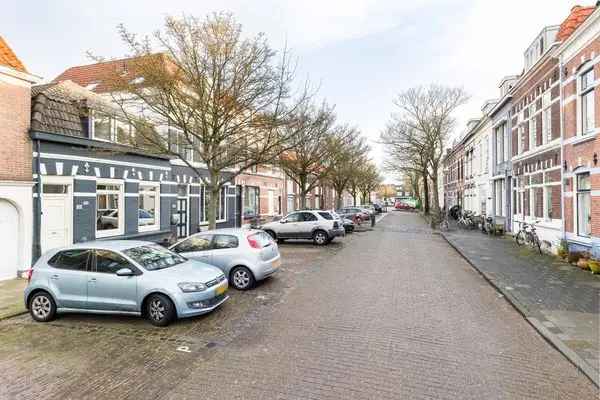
156 225
58 254
580 193
582 93
121 207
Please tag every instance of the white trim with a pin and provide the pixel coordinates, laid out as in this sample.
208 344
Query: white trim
121 209
130 194
54 156
582 138
168 195
61 180
157 196
83 194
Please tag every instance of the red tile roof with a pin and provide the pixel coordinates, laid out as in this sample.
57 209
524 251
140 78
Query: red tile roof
98 77
577 17
9 58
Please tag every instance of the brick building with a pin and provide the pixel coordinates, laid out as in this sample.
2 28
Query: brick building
454 176
579 57
16 199
535 140
263 193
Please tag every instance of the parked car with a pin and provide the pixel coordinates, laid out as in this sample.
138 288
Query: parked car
320 226
244 255
123 277
378 208
110 220
348 225
352 213
400 205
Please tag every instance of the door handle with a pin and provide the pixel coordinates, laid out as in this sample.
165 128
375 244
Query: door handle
54 277
92 280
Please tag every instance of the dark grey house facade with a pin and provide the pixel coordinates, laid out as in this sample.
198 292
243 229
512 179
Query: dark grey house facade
92 186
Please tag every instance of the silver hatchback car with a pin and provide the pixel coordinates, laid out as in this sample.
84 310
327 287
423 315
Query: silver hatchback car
244 255
123 277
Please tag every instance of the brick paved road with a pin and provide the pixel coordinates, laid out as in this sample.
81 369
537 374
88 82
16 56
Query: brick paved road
391 314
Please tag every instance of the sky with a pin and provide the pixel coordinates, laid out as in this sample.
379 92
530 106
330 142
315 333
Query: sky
361 53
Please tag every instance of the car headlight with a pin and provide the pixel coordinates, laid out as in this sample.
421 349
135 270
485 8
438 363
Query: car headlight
187 287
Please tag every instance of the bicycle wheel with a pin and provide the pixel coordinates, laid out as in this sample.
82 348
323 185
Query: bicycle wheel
536 243
520 238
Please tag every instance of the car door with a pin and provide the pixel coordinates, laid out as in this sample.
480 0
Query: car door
309 223
68 278
197 247
106 290
289 226
224 249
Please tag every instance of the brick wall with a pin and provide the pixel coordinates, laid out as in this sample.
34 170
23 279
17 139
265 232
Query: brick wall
15 151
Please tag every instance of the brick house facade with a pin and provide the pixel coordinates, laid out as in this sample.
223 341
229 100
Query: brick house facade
454 176
535 137
579 57
16 198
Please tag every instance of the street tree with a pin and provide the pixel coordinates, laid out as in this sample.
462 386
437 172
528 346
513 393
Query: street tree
201 92
368 180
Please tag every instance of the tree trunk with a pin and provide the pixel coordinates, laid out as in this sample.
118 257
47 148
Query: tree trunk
213 201
303 193
338 200
425 193
436 194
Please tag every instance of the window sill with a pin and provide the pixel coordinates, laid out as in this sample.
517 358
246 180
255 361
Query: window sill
107 233
148 228
584 138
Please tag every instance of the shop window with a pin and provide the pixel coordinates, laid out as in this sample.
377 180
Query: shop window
148 207
109 209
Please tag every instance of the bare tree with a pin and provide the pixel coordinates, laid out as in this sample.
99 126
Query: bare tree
368 180
201 92
429 110
348 150
308 163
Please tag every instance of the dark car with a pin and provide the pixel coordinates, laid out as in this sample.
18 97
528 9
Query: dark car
378 208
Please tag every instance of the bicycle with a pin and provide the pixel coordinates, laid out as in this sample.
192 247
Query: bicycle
527 235
466 220
443 221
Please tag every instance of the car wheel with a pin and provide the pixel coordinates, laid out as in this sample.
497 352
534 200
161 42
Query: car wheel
42 307
242 278
271 233
160 310
320 237
280 241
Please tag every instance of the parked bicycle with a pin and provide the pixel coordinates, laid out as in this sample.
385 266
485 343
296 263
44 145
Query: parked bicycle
527 235
444 225
467 220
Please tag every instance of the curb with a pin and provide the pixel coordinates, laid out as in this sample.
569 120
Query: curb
12 315
550 337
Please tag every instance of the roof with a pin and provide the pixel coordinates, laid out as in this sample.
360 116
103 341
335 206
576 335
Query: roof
97 77
9 58
577 17
60 107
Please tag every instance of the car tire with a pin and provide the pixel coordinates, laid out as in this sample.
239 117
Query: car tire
242 278
42 307
160 310
272 234
320 237
280 241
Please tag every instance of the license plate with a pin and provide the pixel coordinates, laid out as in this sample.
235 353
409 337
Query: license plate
221 289
276 263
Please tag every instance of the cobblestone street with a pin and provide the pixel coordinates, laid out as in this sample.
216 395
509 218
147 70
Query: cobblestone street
392 313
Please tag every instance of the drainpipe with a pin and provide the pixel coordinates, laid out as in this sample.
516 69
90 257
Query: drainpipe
562 152
37 217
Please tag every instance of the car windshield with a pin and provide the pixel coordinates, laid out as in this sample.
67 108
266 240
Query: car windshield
154 257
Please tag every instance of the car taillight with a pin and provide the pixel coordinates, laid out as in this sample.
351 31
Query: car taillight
28 274
335 224
253 242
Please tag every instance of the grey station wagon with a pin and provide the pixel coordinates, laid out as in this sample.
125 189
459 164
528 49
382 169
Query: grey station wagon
123 277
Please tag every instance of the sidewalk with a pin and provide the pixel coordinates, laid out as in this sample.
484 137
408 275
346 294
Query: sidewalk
560 300
11 297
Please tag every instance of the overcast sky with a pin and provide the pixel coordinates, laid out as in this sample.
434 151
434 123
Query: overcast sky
362 52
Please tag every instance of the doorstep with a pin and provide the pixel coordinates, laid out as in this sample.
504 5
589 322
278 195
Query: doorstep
11 298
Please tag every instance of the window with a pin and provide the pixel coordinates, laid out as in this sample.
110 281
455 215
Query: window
500 143
251 201
307 217
295 217
109 207
205 203
75 260
194 243
153 257
587 102
521 139
584 205
546 117
109 262
148 207
225 242
55 189
326 215
102 126
548 202
123 132
532 128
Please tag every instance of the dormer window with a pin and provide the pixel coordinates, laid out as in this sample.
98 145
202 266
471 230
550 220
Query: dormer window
110 129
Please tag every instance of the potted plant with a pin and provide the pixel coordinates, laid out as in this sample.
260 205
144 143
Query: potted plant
594 266
563 250
573 257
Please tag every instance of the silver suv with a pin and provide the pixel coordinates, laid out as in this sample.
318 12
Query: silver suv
320 226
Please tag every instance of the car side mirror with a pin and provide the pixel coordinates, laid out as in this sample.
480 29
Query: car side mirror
125 272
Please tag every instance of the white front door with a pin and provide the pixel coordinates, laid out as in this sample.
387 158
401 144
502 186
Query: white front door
56 225
9 240
271 202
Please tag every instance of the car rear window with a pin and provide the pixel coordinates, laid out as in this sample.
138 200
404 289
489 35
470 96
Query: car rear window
263 238
326 215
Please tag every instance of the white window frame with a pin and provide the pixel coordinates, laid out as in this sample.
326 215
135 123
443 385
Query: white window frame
581 93
547 117
121 207
576 205
156 225
532 128
113 128
203 204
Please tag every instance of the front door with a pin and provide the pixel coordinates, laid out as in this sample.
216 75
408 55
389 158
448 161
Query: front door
182 214
106 291
9 221
56 213
68 277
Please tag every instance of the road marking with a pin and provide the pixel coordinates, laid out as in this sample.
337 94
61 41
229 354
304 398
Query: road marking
184 349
